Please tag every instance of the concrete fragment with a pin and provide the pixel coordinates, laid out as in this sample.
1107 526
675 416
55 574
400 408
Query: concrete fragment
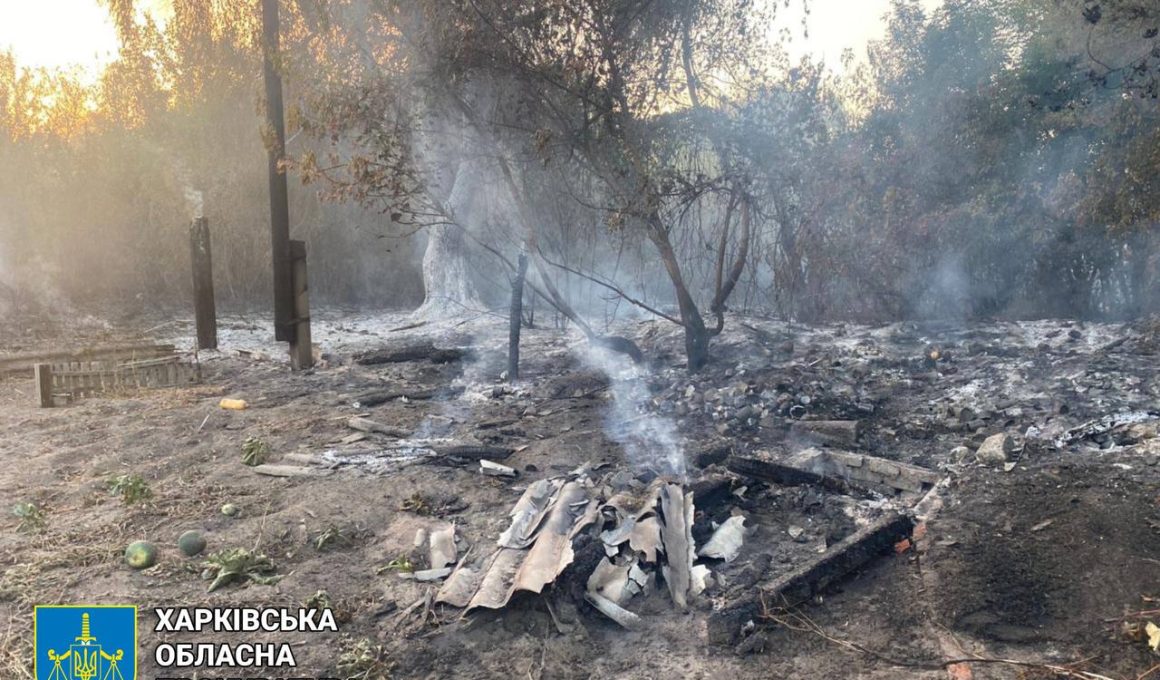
995 448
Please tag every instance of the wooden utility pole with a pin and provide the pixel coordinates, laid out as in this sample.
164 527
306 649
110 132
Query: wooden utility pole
43 375
516 319
203 303
279 202
301 348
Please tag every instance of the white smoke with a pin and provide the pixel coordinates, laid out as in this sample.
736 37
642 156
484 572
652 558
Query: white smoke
195 201
650 441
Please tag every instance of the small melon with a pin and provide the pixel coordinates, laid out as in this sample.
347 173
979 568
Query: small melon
191 543
230 510
141 554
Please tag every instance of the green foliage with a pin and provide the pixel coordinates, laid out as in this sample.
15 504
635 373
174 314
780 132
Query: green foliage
335 537
31 518
254 451
239 565
362 659
131 488
401 563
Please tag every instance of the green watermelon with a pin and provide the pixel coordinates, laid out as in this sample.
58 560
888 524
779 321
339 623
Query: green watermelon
191 543
141 554
229 510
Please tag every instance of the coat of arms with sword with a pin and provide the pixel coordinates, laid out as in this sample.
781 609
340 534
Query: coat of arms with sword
88 659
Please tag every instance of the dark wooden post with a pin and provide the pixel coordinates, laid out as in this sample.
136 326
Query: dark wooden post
203 302
301 349
43 374
279 201
515 319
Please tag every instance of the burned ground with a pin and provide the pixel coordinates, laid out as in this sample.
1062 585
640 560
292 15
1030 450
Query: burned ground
1043 562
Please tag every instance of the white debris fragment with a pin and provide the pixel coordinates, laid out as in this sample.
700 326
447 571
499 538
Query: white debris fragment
726 542
646 538
677 538
622 616
612 581
701 578
493 469
442 547
425 575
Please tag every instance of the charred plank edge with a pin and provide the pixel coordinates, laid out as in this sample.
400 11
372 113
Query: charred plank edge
785 475
470 453
711 491
841 433
421 352
815 576
713 455
413 394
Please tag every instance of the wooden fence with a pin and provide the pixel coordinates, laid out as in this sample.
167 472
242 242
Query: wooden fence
78 379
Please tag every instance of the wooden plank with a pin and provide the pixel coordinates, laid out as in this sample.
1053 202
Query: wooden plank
290 471
25 361
43 376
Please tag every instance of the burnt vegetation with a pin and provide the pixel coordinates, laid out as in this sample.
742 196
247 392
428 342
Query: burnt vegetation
661 159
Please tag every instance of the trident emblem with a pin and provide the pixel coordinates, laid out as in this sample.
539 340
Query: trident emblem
87 658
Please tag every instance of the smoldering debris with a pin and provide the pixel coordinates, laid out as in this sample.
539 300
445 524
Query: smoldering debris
645 535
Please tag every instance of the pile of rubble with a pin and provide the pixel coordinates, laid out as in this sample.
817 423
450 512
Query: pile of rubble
645 535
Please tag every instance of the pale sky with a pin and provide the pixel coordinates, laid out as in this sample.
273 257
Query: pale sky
58 33
835 25
65 33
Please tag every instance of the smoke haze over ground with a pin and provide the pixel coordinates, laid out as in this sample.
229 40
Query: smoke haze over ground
982 161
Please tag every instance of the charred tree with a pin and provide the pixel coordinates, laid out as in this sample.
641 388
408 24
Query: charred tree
516 319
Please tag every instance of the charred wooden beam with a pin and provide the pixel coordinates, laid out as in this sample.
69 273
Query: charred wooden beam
416 394
783 474
714 455
710 491
421 352
801 584
464 454
839 433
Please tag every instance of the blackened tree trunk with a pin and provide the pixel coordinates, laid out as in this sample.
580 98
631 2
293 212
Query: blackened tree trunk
696 334
516 318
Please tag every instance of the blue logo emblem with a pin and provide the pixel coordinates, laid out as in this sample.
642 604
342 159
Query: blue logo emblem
94 642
